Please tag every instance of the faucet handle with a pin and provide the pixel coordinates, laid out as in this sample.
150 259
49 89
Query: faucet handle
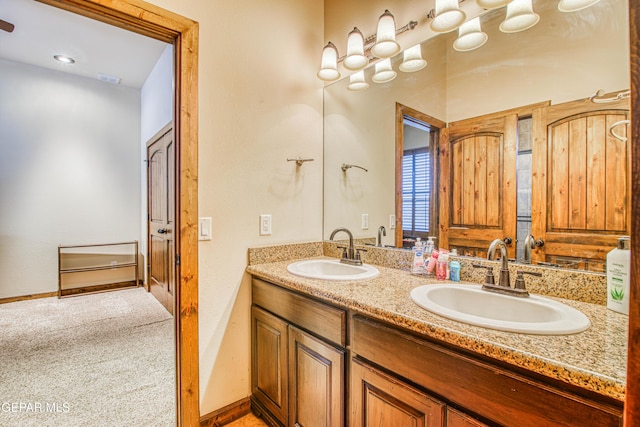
489 279
358 250
344 251
520 279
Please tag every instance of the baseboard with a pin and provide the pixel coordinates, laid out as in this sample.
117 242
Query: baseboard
28 297
97 288
227 414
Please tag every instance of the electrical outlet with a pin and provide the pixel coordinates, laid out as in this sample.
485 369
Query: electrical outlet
265 225
392 222
365 221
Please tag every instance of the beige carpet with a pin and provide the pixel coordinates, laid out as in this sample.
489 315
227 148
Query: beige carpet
93 360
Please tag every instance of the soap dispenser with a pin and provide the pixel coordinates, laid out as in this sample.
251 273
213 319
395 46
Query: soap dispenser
417 267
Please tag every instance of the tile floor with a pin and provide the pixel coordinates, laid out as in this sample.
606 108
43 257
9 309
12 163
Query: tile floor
248 421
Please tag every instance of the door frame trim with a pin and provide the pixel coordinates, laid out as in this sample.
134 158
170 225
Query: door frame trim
161 24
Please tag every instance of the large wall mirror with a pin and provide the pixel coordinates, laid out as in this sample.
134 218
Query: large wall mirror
564 59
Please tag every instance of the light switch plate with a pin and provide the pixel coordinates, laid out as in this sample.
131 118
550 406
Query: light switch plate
365 221
204 228
265 225
392 222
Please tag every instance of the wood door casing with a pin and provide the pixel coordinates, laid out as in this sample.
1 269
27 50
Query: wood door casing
478 177
581 182
436 127
161 201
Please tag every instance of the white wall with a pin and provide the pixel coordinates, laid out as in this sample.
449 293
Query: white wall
156 110
69 171
259 103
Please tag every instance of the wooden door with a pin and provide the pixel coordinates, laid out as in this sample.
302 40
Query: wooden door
581 182
316 382
269 362
161 163
478 183
378 399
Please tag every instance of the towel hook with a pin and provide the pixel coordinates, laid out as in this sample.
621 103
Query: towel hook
618 123
300 161
345 166
597 97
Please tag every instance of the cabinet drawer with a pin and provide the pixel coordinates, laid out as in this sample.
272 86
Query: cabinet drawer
321 319
490 391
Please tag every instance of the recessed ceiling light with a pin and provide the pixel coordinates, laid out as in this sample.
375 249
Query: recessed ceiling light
64 58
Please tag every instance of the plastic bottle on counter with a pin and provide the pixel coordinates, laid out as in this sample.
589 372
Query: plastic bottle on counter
430 263
454 267
441 265
417 267
429 247
618 266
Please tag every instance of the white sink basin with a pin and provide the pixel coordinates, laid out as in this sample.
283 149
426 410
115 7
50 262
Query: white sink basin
470 304
332 269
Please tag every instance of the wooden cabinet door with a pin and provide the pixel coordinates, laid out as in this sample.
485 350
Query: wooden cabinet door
269 380
581 182
478 183
316 382
378 399
458 419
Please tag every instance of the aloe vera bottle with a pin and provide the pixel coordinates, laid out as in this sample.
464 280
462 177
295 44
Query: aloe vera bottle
618 265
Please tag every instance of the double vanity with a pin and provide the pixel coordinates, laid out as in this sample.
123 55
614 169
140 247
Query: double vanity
336 344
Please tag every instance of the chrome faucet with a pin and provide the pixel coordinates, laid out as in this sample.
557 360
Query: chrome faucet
384 233
349 255
504 255
504 283
529 243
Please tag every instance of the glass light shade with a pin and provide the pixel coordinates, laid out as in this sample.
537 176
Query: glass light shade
520 17
470 36
492 4
357 82
412 59
355 59
575 5
386 45
383 72
329 65
448 16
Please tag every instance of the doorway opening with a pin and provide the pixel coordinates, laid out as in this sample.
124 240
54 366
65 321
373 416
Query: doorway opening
153 21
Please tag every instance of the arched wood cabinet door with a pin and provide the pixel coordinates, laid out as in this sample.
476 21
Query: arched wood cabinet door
581 182
478 183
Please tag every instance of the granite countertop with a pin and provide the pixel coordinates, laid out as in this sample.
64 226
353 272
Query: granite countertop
594 359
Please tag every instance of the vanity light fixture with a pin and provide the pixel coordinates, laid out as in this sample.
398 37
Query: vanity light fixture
447 16
520 17
64 59
383 72
575 5
386 45
329 65
412 59
470 36
360 50
492 4
357 82
355 59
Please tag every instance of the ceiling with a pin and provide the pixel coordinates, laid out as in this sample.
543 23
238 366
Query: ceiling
42 31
